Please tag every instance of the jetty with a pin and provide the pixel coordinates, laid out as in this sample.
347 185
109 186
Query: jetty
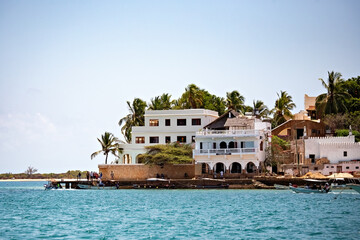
198 183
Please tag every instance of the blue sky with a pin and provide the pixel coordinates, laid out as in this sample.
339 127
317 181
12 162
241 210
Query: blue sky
67 68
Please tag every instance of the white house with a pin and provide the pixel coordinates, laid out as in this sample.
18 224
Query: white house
335 149
232 144
165 126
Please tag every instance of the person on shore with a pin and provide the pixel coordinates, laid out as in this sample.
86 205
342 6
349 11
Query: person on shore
79 176
87 175
221 174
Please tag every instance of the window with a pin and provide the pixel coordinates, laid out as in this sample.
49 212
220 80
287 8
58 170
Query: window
140 140
332 166
327 166
312 157
196 121
154 122
214 145
345 153
356 167
167 122
347 167
181 139
315 168
249 144
154 139
193 139
201 145
167 139
181 122
261 146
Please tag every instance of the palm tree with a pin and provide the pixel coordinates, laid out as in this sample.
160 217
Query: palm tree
134 118
334 100
155 104
260 109
109 144
235 101
192 97
283 105
162 102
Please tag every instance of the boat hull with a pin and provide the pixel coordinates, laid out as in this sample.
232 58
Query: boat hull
91 187
355 187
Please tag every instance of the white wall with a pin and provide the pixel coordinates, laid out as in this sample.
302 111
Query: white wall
333 148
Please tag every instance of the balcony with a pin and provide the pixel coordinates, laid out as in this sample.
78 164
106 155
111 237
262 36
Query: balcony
227 151
232 133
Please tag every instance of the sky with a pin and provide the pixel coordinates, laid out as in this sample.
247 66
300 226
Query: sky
67 68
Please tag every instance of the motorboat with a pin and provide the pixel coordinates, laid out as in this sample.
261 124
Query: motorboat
52 186
316 188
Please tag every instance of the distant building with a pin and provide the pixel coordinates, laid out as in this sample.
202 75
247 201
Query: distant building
232 144
165 126
309 104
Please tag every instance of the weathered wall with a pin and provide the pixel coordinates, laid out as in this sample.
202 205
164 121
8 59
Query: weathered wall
141 172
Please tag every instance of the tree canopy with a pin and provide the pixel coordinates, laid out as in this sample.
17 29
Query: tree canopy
173 153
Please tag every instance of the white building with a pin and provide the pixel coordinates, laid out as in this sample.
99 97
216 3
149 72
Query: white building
231 144
335 149
165 126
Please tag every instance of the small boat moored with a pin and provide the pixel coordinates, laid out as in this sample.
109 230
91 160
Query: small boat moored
355 187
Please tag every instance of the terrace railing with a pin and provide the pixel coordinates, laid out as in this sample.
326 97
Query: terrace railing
250 132
226 151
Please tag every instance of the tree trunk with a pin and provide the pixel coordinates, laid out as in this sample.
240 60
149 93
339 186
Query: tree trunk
106 158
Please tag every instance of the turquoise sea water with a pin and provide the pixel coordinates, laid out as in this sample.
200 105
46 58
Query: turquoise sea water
29 212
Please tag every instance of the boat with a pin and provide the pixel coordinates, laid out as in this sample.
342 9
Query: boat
355 187
96 187
281 187
309 190
52 186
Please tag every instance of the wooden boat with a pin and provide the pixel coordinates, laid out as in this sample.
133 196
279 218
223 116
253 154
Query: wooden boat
355 187
308 190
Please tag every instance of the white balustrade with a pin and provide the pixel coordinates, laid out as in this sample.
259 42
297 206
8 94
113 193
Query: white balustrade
225 151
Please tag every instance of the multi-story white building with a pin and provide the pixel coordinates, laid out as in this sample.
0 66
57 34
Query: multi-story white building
165 126
231 144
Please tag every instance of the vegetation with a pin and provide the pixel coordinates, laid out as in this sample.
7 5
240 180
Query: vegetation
283 106
134 118
345 132
30 170
109 144
71 174
173 153
333 101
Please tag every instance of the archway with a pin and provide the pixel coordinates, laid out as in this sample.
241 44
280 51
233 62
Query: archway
126 159
235 167
223 145
219 167
231 144
250 167
137 159
205 168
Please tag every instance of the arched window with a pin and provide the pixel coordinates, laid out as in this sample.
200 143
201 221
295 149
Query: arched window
223 145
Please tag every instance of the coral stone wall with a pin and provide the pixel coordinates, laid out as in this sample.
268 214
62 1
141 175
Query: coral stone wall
142 172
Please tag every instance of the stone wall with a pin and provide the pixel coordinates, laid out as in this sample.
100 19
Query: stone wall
142 172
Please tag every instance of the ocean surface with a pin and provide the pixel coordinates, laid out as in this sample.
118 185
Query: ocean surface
27 211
